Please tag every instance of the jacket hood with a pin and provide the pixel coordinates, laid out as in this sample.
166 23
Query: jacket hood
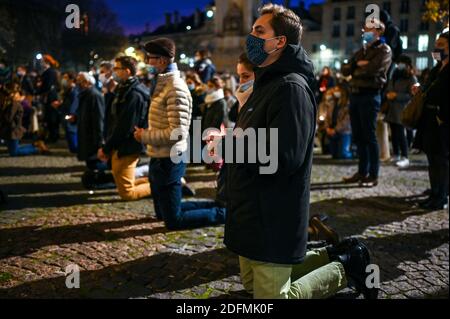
293 60
133 84
142 89
385 17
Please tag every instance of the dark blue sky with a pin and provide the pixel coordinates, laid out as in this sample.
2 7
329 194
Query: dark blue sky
134 14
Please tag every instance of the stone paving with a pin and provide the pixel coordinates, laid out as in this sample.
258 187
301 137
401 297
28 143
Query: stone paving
50 222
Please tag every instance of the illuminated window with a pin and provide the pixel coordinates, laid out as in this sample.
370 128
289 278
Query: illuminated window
421 63
404 39
424 40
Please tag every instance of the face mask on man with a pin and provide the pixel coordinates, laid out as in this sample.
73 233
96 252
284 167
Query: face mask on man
255 49
401 66
117 78
439 55
102 78
368 37
191 87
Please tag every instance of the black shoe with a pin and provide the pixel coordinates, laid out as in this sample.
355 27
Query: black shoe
355 261
369 182
424 203
353 179
434 205
187 191
2 197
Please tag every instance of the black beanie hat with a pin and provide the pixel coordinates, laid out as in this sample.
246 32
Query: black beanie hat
161 46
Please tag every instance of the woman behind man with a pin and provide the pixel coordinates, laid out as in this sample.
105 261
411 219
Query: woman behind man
215 113
11 129
337 122
398 95
433 131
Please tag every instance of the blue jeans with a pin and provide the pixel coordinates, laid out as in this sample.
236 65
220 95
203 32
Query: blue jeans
340 145
72 141
15 149
363 115
165 181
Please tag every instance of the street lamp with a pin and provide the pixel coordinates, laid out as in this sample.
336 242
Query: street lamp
39 56
182 56
210 14
188 28
130 51
323 47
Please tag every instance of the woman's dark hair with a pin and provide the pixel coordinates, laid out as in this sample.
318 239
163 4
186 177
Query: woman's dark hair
398 74
217 82
204 53
71 75
405 59
244 60
194 77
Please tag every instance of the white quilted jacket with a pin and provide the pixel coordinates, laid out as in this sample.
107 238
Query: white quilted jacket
170 112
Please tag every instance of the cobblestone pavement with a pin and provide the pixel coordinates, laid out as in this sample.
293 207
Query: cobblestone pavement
50 222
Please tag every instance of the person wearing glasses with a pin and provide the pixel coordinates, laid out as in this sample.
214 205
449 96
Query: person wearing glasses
167 139
129 109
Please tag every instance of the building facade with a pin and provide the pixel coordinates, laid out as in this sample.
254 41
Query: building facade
223 29
341 30
332 30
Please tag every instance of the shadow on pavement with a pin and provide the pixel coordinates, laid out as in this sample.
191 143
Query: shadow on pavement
39 188
30 171
353 216
389 252
48 201
164 272
25 240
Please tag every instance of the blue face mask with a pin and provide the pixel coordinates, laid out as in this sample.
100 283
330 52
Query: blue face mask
255 49
191 87
368 37
245 86
439 55
152 70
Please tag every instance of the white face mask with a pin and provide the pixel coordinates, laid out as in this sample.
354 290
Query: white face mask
245 86
102 78
243 97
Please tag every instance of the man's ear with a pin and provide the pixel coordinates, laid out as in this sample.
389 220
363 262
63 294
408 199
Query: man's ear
282 42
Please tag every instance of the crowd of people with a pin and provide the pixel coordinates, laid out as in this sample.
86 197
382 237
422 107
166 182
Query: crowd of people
115 114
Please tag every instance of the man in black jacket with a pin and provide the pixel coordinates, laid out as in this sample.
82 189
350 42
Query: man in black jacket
90 121
369 70
267 215
129 110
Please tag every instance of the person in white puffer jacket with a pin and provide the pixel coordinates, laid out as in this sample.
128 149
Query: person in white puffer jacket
167 139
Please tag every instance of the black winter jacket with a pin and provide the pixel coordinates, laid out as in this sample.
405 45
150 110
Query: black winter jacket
90 121
128 110
267 215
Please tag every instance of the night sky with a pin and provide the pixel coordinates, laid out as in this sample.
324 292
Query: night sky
134 14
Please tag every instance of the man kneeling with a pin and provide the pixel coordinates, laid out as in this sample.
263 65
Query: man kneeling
129 110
